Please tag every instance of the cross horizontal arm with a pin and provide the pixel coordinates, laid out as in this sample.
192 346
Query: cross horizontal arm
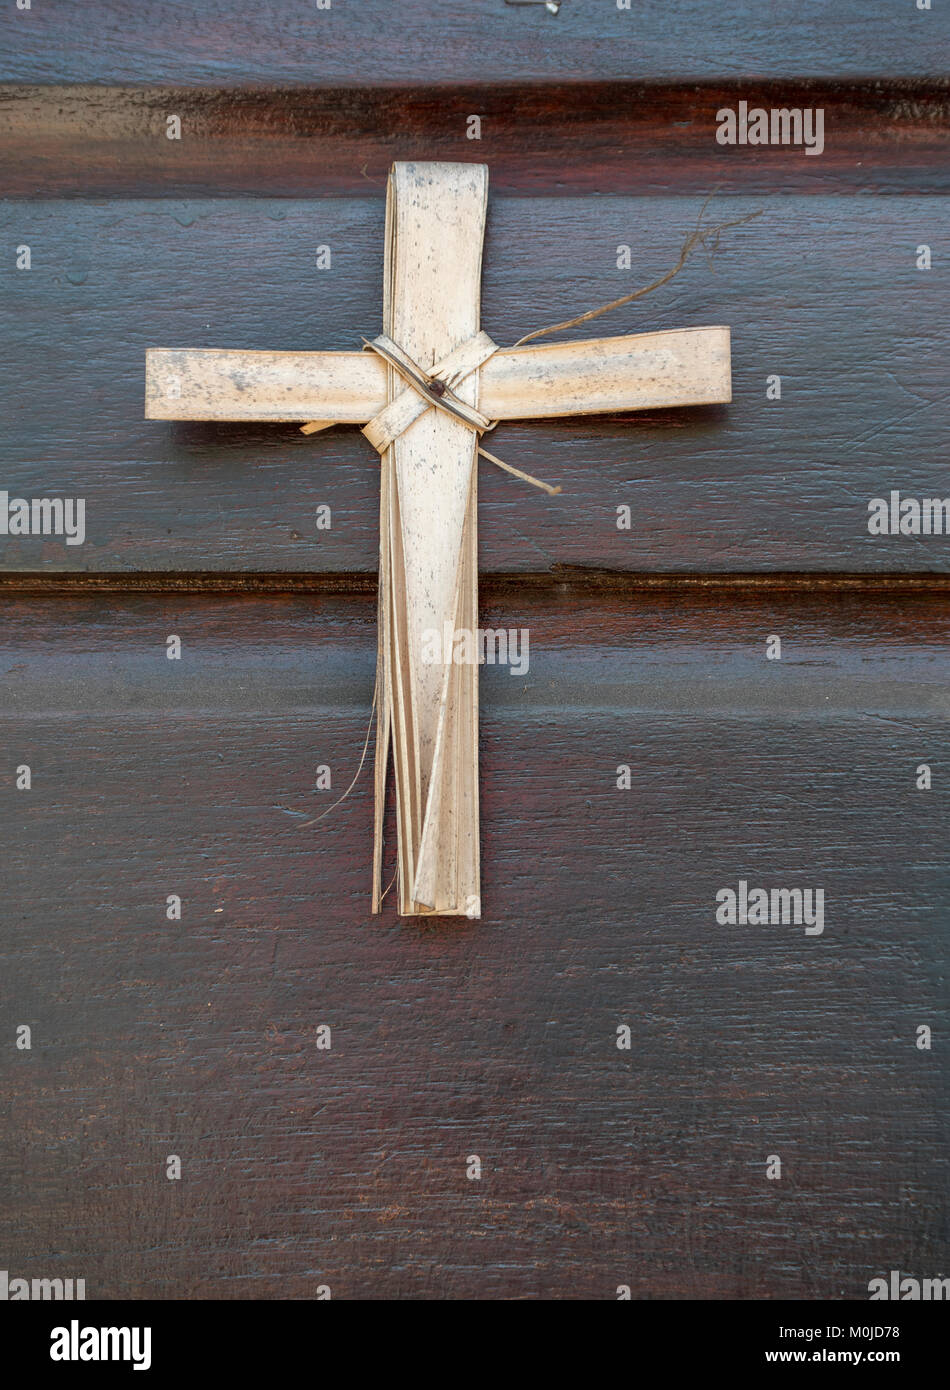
685 366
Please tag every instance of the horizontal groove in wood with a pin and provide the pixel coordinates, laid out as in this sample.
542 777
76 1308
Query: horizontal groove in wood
561 578
311 659
95 141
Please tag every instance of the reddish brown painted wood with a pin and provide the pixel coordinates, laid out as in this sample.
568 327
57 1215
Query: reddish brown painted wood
150 777
620 138
601 1167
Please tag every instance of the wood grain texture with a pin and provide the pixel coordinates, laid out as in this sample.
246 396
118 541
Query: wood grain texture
366 42
596 139
304 1167
821 290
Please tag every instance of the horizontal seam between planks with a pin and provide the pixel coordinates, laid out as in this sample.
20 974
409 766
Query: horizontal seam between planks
579 578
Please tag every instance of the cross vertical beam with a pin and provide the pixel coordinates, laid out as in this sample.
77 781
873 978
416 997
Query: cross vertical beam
435 220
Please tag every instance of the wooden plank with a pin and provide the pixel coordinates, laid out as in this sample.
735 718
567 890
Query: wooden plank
92 141
303 1167
821 291
225 42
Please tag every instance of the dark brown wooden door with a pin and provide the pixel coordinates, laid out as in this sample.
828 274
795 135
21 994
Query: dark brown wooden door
626 1066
